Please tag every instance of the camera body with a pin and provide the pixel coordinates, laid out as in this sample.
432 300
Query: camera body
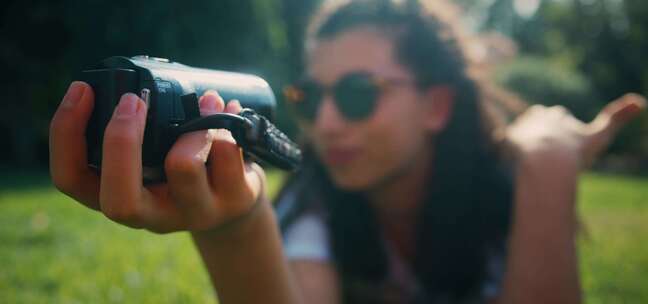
172 90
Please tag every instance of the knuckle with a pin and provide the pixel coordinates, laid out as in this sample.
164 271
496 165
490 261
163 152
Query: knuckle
119 137
240 200
227 153
559 109
533 111
536 108
185 166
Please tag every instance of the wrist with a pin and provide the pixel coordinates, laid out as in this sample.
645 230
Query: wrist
239 218
239 228
549 162
547 181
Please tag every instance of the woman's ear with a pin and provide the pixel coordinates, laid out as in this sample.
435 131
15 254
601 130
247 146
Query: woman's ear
438 104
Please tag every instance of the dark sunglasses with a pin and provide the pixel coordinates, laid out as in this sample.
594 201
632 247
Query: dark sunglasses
355 95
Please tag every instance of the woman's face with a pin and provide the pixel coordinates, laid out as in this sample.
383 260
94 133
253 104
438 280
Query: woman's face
394 139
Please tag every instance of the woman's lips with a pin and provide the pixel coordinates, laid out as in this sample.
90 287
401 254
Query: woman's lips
340 156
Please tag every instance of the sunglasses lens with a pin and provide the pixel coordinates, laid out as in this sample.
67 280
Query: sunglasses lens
356 95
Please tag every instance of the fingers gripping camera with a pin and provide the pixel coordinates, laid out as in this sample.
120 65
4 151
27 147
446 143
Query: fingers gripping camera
171 91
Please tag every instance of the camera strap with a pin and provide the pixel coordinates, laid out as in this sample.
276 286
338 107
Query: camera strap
255 134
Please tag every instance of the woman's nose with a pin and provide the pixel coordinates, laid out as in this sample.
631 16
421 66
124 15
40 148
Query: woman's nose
328 118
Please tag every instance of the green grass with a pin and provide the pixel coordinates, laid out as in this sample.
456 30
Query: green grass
614 244
53 250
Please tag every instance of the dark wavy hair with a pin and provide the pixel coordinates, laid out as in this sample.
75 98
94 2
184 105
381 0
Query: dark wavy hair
467 209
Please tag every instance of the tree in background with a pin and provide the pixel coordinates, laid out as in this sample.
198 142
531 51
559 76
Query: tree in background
44 45
580 53
576 53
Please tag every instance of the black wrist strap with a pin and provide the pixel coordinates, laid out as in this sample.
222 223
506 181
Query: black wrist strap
255 134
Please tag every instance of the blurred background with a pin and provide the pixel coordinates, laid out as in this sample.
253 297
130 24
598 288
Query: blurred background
577 53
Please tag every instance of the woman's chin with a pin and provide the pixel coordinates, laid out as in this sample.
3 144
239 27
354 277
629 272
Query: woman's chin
350 181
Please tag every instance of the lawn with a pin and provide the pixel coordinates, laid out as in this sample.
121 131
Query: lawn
53 250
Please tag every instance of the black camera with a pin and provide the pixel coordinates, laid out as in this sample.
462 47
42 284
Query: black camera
171 91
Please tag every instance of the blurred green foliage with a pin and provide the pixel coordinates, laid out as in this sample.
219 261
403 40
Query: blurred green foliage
45 44
544 80
596 47
540 81
602 42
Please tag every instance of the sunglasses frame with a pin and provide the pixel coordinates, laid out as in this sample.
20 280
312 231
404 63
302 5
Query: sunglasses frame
297 97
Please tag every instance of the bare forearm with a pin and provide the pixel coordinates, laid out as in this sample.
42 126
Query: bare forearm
245 260
542 265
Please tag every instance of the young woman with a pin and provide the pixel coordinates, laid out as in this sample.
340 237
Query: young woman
404 196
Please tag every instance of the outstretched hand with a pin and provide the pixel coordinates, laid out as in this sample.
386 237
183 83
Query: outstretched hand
553 133
552 147
195 197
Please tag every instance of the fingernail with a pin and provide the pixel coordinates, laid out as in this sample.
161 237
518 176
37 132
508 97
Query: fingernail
73 94
127 106
224 135
234 106
208 102
212 92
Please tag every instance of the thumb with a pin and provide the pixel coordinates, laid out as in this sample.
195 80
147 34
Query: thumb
617 114
609 121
